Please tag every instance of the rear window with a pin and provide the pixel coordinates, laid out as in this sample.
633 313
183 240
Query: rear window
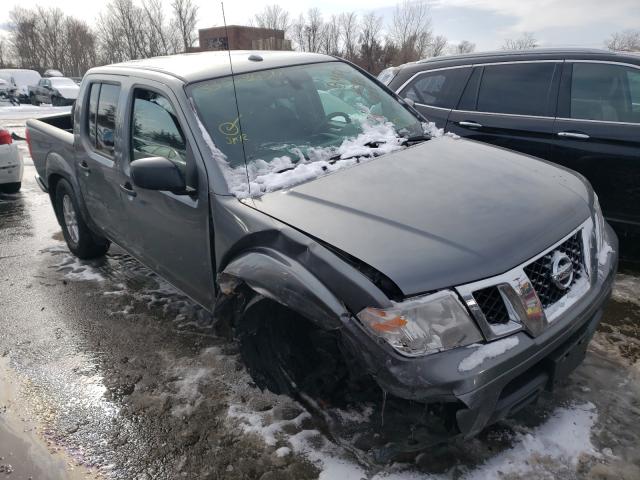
605 92
521 89
103 104
438 89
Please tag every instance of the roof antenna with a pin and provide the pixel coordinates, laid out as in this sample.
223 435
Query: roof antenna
235 94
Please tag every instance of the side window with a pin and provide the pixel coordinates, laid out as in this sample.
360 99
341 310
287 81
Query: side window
521 88
438 89
93 110
155 129
605 92
106 118
101 124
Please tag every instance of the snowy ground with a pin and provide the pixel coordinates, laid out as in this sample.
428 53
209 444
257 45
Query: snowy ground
124 375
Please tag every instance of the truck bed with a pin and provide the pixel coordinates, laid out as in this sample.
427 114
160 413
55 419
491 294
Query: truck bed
51 139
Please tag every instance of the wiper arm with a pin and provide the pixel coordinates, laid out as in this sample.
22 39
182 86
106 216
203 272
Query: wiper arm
415 139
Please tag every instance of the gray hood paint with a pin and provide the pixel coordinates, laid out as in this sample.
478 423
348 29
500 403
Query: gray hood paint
433 216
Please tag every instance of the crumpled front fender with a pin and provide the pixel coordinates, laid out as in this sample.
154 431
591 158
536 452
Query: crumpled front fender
286 281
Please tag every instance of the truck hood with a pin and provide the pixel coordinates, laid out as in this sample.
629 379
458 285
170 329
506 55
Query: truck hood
68 92
440 214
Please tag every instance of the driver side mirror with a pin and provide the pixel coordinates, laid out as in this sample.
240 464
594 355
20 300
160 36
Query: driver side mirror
159 173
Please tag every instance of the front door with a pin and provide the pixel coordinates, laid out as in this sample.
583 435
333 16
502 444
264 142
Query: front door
510 105
169 233
597 133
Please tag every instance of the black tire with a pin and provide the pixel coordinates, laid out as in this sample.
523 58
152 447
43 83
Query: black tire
11 187
55 101
34 101
81 241
288 355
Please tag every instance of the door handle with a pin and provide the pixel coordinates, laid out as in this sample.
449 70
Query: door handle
128 189
84 166
470 124
581 136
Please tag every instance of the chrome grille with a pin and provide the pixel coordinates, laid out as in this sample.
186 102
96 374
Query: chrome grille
539 272
527 296
492 305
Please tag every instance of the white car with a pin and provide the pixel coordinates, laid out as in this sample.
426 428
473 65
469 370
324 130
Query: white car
11 164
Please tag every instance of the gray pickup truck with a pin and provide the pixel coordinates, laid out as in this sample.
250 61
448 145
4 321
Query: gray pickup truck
333 231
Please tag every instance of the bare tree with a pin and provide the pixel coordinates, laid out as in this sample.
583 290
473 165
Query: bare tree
411 30
438 46
465 46
371 50
3 53
186 17
24 38
349 32
313 30
46 38
526 41
162 38
297 30
330 37
625 41
81 48
273 17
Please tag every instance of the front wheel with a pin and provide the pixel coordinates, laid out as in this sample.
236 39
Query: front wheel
81 241
286 354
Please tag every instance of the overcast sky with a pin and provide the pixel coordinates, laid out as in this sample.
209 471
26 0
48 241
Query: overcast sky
585 23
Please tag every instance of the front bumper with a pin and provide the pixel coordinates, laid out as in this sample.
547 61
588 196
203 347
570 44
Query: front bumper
500 385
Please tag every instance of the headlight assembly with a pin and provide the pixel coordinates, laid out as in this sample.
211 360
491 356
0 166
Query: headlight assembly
599 228
423 325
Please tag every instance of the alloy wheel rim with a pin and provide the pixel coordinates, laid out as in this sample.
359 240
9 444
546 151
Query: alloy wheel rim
70 218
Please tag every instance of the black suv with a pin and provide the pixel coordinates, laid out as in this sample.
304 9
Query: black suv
575 107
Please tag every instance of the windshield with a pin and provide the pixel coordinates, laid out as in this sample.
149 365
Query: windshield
61 82
296 116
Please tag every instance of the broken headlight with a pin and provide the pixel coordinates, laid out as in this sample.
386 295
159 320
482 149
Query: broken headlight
423 325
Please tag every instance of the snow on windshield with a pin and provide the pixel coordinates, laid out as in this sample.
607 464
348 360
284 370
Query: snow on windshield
260 176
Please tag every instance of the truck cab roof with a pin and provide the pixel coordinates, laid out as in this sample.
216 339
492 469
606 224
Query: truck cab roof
194 67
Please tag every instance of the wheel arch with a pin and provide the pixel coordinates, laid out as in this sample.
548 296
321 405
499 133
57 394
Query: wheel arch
277 277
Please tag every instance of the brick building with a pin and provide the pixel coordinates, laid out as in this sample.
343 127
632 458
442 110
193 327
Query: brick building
241 38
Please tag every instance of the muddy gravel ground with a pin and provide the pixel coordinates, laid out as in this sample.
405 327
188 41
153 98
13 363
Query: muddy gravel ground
107 372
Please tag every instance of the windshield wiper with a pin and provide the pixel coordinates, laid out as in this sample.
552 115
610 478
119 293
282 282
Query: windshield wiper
415 139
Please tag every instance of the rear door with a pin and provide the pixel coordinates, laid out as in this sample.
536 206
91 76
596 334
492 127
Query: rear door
436 92
97 167
597 133
511 105
170 233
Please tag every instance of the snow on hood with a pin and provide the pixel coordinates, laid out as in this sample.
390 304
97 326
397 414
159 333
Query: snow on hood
260 176
70 92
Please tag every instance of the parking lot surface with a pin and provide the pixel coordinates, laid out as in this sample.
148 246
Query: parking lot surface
107 371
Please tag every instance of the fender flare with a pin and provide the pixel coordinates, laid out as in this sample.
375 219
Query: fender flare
285 281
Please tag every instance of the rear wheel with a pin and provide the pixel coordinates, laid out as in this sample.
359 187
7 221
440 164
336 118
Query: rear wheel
55 101
11 187
80 240
34 100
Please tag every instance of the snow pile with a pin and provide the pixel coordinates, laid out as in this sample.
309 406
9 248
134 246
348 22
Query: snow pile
485 352
563 438
260 176
77 270
188 395
627 289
